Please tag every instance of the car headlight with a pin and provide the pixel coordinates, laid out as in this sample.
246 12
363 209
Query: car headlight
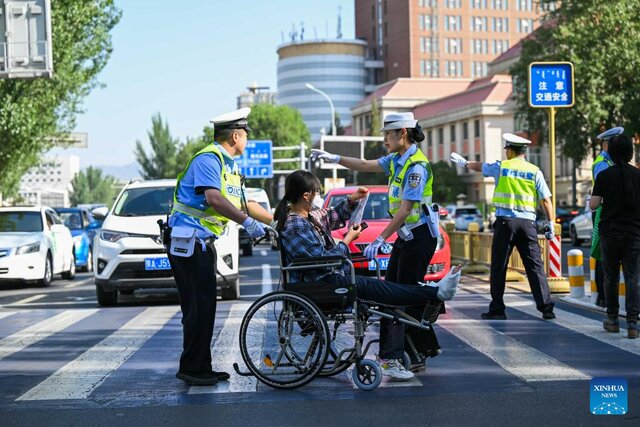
440 244
112 236
77 240
28 249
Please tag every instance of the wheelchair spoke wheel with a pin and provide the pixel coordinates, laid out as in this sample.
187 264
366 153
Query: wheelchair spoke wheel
368 375
284 340
342 350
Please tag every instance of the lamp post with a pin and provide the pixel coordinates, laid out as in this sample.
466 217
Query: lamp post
333 110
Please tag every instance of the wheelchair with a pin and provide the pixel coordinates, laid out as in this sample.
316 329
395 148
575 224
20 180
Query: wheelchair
315 329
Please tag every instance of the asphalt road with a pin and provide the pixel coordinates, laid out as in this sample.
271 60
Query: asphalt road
65 361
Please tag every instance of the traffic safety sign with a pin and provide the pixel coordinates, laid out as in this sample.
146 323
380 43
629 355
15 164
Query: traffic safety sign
257 159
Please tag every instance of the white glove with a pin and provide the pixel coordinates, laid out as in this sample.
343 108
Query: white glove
372 249
459 160
548 232
253 227
327 157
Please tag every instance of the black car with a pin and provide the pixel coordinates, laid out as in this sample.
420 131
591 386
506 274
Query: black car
564 215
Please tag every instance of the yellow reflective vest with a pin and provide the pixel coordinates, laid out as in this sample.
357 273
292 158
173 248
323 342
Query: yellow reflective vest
396 184
516 187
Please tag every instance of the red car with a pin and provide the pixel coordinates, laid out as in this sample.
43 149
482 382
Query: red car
377 217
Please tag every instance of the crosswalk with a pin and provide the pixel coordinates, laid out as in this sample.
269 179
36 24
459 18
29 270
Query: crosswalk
89 355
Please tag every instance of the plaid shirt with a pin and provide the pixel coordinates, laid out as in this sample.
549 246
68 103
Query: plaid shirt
311 237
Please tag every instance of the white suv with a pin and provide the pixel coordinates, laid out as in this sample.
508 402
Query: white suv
129 255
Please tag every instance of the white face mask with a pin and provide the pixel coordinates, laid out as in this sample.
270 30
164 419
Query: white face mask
317 202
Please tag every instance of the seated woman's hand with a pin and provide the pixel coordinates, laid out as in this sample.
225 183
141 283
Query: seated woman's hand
358 194
353 233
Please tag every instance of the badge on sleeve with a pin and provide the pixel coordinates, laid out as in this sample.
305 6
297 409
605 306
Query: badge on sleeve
414 180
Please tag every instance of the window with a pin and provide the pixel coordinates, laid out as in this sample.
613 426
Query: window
476 128
525 25
452 133
500 46
480 46
453 22
16 221
453 69
428 22
500 4
427 3
429 68
440 136
453 45
465 131
524 5
429 138
478 4
429 44
478 69
478 23
453 4
500 25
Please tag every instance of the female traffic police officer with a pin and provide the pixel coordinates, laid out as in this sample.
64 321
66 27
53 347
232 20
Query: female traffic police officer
518 185
208 195
410 187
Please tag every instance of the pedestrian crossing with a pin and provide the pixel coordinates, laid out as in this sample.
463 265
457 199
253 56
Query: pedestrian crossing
146 343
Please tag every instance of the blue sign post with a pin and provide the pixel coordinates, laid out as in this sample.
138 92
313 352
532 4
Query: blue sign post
257 160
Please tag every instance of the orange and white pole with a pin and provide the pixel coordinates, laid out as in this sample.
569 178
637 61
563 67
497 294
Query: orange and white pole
555 264
592 279
576 273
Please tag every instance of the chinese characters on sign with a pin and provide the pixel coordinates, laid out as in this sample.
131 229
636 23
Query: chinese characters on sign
257 160
551 84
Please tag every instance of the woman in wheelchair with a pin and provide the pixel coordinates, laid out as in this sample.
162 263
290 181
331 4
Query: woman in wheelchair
305 231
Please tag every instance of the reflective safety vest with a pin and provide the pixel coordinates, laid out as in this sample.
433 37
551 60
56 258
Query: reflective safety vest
396 184
516 187
598 159
230 188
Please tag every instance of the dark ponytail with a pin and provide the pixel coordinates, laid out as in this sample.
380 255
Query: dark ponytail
621 153
415 134
296 184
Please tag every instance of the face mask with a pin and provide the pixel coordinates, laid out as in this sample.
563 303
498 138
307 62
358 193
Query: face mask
317 202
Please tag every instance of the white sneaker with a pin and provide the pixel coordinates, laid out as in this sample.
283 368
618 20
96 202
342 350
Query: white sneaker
393 368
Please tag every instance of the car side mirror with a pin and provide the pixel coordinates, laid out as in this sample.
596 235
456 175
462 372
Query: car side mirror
94 225
100 213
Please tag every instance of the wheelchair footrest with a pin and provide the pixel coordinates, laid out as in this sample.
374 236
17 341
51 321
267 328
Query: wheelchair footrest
431 311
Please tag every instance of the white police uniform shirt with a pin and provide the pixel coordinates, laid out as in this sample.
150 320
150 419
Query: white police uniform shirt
414 180
493 170
204 171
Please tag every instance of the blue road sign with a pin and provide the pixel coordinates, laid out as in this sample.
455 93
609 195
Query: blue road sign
257 160
551 84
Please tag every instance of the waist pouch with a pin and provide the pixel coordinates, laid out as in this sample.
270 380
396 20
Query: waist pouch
433 219
183 241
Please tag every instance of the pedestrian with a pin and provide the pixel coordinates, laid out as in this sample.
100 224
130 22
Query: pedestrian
208 195
306 232
519 184
602 162
410 181
617 190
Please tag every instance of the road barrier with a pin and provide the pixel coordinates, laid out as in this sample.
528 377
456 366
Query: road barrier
592 279
575 261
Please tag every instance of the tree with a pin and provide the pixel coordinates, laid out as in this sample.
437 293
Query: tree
90 186
34 110
373 150
339 127
161 162
446 183
602 40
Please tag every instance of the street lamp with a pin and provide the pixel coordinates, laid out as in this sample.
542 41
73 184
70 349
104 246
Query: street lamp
333 110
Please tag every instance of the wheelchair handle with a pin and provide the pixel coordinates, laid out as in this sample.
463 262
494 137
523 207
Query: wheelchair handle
269 231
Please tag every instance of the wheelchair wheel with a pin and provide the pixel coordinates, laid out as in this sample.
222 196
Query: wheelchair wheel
284 340
342 346
369 376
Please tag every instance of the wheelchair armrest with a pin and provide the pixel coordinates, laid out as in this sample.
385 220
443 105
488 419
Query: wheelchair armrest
317 259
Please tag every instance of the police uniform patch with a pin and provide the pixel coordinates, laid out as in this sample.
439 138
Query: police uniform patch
414 180
395 191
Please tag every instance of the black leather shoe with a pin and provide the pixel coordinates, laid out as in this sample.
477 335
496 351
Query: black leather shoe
220 376
601 303
548 315
200 379
493 315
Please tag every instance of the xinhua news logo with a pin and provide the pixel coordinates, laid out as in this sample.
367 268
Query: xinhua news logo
609 396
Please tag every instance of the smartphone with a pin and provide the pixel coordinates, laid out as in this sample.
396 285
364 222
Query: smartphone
363 226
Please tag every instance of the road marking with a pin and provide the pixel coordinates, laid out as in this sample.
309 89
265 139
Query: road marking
7 314
513 356
80 283
80 377
41 330
52 303
27 300
263 252
226 352
266 279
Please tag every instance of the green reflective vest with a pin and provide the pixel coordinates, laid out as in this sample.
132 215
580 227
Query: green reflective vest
598 159
396 184
231 189
516 187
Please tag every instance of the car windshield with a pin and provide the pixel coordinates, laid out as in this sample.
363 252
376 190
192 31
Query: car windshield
467 211
71 220
376 207
20 221
144 201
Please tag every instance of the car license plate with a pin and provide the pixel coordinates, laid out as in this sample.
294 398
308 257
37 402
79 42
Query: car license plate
161 263
383 262
470 218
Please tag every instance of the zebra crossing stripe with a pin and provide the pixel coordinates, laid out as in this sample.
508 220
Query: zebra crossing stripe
80 377
41 330
225 352
519 359
4 314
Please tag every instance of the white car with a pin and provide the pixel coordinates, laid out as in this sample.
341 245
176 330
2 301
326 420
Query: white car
580 228
128 253
35 245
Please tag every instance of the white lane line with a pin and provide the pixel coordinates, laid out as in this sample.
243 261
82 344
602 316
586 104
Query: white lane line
78 378
41 330
80 283
52 303
513 356
27 300
7 314
266 279
226 351
263 252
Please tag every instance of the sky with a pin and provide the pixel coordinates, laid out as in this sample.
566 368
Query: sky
188 61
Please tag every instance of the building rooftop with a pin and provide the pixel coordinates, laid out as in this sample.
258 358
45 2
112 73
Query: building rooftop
426 88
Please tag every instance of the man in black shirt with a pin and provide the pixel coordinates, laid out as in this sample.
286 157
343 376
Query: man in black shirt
618 190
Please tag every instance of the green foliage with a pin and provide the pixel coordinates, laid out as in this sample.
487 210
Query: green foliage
90 186
32 110
602 40
373 150
339 127
161 161
446 183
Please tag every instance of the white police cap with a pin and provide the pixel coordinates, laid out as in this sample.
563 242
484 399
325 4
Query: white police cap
515 140
610 133
398 121
233 120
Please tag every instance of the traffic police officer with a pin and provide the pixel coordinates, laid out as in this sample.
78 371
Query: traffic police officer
208 194
602 162
518 185
410 187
